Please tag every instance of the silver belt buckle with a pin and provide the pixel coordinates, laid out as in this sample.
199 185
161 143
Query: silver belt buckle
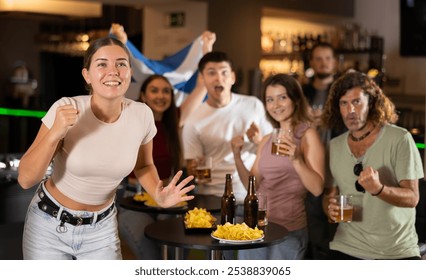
79 221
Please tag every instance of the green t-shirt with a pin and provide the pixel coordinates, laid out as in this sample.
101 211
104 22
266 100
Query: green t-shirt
381 230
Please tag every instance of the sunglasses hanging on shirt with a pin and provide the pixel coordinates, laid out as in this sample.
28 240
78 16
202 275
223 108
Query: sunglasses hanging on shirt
357 170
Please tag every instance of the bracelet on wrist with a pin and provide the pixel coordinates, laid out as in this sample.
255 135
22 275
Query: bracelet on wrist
379 192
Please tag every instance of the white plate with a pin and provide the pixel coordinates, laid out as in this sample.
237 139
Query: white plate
230 241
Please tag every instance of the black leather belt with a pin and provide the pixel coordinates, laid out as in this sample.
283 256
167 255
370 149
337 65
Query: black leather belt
48 206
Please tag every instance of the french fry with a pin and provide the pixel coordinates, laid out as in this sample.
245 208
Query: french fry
141 196
199 218
237 232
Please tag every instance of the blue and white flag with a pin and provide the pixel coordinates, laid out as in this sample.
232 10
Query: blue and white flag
180 69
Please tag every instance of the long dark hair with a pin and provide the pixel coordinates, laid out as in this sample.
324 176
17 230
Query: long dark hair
170 122
295 93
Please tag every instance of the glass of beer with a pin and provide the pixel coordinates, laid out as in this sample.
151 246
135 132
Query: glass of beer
346 208
278 135
263 210
203 171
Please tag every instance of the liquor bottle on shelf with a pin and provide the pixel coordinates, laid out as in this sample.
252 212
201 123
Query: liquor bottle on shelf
364 40
302 42
379 76
341 65
295 43
251 204
227 209
267 42
310 41
283 43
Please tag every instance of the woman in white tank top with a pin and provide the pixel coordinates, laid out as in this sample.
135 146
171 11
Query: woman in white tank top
72 215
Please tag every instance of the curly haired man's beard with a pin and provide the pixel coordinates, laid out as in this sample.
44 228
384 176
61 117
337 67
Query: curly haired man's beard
323 76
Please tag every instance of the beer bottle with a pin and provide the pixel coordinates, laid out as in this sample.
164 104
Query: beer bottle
227 209
251 204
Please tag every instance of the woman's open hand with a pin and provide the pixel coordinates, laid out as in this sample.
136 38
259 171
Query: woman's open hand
172 194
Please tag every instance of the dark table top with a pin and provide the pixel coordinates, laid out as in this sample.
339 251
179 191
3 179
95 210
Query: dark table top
209 202
171 232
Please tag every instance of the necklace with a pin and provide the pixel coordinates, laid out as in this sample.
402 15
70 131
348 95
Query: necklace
358 139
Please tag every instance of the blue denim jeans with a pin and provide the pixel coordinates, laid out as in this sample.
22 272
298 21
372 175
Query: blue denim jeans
292 248
41 240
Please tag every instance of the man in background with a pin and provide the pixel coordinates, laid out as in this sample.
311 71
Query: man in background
323 63
209 130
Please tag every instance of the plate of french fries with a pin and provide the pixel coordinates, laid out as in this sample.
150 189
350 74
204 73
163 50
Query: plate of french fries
237 233
199 220
146 199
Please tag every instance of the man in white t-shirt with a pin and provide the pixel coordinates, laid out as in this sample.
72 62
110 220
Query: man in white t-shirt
209 130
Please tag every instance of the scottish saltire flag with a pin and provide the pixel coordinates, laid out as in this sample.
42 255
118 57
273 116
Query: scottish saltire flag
180 69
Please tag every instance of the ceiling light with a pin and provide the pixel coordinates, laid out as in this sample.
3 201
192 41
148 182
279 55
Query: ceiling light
55 7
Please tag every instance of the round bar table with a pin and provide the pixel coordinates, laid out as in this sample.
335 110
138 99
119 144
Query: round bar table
171 232
210 202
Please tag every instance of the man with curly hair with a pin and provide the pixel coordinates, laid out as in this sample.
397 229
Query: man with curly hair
378 163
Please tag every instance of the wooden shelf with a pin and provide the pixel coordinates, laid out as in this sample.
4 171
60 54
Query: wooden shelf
281 55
